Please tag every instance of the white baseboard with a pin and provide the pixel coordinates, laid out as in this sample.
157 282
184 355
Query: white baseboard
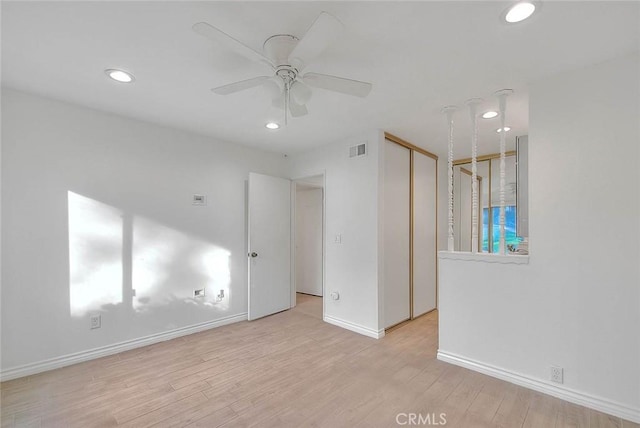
366 331
78 357
581 398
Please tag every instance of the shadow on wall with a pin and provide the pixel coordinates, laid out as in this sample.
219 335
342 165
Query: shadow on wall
120 261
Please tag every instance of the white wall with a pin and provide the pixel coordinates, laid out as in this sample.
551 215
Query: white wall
577 303
129 212
351 207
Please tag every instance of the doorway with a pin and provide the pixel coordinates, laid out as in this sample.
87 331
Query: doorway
308 244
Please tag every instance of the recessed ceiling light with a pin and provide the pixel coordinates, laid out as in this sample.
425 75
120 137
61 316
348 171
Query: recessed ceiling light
272 125
120 75
519 12
489 114
506 129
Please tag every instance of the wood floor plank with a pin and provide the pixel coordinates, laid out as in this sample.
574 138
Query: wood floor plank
598 419
572 416
543 411
137 407
488 400
287 370
514 407
163 413
219 418
6 420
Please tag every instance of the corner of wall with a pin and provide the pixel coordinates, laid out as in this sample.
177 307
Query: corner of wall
380 230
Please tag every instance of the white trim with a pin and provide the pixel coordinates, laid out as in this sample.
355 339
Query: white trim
366 331
516 259
594 402
78 357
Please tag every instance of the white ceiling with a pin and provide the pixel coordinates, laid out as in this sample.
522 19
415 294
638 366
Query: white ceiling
419 56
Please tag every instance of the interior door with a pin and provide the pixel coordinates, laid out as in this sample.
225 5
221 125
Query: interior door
269 245
424 234
396 234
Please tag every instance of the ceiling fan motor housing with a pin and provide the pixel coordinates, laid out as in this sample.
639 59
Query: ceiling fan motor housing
278 48
286 73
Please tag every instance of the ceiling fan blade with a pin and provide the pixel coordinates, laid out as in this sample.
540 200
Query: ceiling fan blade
296 109
323 32
300 92
274 86
240 86
278 101
338 84
223 39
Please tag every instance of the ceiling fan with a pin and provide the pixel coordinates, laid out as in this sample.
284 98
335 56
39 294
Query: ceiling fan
288 56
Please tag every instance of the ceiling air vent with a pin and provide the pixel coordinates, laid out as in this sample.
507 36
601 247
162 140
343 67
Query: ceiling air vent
358 150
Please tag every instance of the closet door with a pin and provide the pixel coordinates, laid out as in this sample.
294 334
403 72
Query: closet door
424 233
396 233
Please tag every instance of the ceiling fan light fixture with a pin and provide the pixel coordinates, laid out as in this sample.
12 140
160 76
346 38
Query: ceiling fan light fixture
519 12
272 125
300 92
506 129
120 75
489 114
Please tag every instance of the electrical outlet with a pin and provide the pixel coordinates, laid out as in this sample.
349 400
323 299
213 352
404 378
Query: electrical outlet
198 293
557 374
96 321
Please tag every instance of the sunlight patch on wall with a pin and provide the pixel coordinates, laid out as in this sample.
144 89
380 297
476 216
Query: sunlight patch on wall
95 254
216 264
169 265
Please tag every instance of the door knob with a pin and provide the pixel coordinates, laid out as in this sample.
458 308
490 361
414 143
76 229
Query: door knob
253 254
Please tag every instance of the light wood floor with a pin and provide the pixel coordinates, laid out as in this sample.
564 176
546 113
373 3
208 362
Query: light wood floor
287 370
309 305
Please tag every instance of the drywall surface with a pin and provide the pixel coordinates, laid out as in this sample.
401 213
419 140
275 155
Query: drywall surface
95 206
351 209
576 304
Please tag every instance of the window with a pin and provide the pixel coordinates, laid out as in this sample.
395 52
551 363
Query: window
510 234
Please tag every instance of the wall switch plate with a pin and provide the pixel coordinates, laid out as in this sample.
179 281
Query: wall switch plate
198 293
338 238
557 374
96 321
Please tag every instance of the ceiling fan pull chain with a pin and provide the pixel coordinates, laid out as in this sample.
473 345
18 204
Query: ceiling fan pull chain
286 101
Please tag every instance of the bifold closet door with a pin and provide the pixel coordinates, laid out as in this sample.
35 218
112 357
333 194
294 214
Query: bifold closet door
424 234
397 181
